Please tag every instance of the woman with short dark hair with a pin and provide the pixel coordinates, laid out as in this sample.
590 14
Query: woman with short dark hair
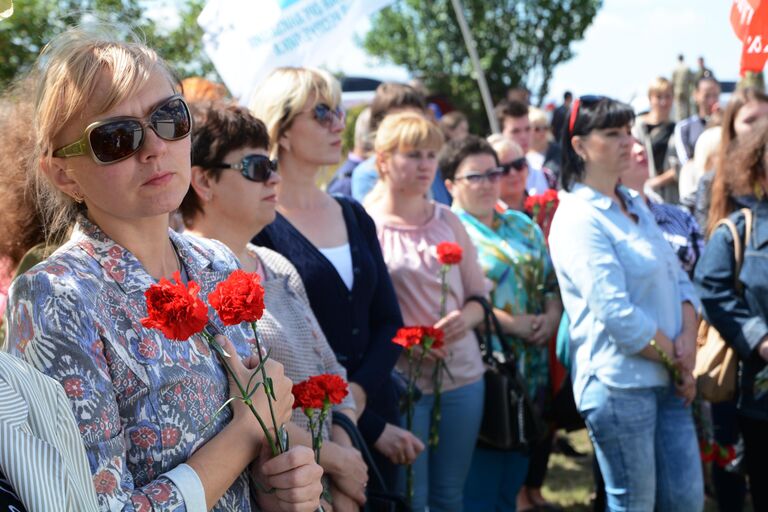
513 255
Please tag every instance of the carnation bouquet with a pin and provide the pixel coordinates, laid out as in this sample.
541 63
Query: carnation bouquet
542 209
178 312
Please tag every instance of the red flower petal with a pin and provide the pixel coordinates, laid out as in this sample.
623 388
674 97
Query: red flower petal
449 253
175 309
239 298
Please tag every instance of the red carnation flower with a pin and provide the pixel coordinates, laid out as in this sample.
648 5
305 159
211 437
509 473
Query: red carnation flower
724 455
529 203
307 395
408 337
175 309
449 253
239 298
436 335
335 387
707 451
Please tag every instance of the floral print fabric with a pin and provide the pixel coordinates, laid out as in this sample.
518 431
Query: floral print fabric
141 401
514 256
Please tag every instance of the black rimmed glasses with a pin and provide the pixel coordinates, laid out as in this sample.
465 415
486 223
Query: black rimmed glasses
256 168
118 138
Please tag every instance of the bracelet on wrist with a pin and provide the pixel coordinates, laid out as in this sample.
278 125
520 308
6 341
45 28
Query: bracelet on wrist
667 361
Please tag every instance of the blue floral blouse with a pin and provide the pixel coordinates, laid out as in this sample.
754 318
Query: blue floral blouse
514 256
141 401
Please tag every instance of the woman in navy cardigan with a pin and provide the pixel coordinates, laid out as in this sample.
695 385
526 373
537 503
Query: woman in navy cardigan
333 245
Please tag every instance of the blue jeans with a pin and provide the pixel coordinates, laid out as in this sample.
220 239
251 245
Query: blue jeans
440 472
645 443
494 480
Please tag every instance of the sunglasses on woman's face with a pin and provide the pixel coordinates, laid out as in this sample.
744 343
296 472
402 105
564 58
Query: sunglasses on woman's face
475 178
325 115
116 139
256 168
518 164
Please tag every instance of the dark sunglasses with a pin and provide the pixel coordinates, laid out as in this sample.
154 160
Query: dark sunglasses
492 175
591 98
116 139
256 168
518 164
325 115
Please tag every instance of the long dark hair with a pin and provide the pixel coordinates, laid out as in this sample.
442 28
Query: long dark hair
586 114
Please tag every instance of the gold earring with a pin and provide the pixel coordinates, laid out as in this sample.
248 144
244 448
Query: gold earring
78 197
759 191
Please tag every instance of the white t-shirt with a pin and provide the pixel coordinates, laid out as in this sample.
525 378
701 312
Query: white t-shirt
341 258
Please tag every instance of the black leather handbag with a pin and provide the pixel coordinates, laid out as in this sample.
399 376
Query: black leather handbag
379 497
510 421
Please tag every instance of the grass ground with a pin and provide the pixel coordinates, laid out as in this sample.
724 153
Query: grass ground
569 481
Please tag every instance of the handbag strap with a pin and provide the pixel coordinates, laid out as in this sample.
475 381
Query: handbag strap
491 325
738 247
358 442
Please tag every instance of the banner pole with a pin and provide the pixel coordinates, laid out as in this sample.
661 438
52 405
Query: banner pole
469 42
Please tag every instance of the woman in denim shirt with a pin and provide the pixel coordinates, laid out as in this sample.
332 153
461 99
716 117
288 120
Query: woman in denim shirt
740 316
629 301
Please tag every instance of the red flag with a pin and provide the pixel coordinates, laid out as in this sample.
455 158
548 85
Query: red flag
749 19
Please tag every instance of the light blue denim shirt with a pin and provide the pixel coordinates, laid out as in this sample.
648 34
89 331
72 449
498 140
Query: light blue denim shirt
620 282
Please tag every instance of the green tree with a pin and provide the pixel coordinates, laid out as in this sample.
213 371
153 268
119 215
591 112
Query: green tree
35 22
519 42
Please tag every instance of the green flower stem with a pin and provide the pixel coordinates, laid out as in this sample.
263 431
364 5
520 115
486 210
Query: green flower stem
409 420
269 391
243 393
444 290
434 427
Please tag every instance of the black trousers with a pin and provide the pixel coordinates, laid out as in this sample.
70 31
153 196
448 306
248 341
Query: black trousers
755 434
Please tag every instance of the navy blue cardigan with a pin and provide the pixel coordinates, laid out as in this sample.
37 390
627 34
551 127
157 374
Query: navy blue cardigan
359 323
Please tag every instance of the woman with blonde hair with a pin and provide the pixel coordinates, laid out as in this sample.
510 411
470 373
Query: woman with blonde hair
112 158
332 243
410 226
654 130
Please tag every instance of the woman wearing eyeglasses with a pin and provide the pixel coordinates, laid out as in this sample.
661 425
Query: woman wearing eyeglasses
233 196
513 255
410 227
332 243
633 320
513 162
112 144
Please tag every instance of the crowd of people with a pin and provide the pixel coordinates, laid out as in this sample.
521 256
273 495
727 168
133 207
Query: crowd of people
593 237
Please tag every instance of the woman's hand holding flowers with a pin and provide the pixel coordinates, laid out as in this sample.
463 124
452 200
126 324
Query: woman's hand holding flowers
244 369
294 476
454 326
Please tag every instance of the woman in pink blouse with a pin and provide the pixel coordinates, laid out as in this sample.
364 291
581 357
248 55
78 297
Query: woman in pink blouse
410 226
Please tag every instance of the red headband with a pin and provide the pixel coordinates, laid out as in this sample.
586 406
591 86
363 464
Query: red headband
574 115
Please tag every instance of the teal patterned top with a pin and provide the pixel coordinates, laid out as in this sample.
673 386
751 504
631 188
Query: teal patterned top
513 254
